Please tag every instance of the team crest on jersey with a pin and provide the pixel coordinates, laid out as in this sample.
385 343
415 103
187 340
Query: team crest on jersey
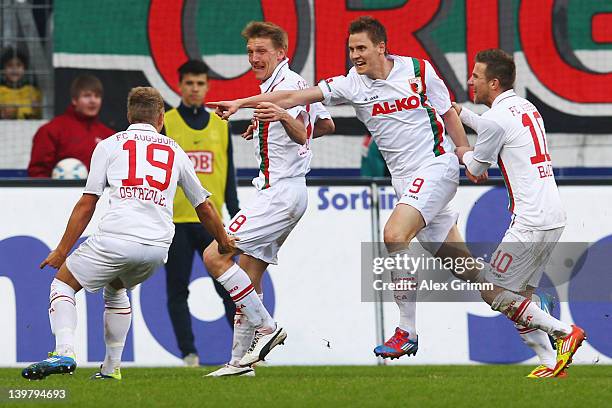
416 85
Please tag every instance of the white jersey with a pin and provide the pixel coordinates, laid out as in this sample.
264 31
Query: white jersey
401 112
142 169
512 134
277 155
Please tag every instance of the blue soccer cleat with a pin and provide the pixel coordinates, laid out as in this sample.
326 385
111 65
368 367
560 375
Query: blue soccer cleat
547 302
55 364
398 345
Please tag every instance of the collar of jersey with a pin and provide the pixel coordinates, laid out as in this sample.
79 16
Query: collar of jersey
275 77
502 96
142 126
396 61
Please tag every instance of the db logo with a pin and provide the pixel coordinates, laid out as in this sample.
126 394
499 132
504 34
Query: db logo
202 161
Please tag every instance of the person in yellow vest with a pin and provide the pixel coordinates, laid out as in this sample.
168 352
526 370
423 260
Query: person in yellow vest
18 98
207 141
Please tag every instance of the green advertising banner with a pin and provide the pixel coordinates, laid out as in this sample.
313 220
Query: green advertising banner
563 48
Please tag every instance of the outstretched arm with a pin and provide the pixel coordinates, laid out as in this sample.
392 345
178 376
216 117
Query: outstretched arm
284 99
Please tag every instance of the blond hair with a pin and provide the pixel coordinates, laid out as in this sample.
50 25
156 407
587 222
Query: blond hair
144 105
265 29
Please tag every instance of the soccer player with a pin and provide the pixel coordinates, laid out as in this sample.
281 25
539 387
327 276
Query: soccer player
281 141
406 107
512 134
143 169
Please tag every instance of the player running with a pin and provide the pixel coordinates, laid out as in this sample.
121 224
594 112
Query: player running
406 107
512 134
281 141
143 169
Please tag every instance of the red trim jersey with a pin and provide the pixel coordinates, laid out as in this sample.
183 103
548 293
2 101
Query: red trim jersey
278 156
402 112
512 134
142 169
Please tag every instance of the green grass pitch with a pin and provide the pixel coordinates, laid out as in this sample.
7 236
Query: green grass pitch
409 386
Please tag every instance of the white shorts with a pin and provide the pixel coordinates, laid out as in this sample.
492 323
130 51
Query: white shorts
265 223
430 190
521 257
101 259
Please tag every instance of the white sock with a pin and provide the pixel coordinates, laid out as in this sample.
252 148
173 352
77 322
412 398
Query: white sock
405 299
243 336
538 341
240 288
117 321
522 311
62 316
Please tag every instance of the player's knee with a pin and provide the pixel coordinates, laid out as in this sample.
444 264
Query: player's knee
115 298
65 275
208 256
395 236
494 297
486 296
213 260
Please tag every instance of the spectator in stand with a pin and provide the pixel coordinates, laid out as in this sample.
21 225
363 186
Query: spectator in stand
75 133
18 98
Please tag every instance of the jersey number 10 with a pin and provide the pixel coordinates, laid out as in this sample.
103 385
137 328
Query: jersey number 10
536 136
132 180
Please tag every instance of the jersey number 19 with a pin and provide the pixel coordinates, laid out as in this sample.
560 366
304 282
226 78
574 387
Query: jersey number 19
132 180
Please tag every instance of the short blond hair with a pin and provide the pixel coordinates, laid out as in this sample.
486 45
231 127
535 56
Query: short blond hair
265 29
144 105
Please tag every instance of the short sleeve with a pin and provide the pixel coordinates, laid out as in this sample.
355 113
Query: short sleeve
337 90
188 180
318 111
296 111
436 90
96 179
